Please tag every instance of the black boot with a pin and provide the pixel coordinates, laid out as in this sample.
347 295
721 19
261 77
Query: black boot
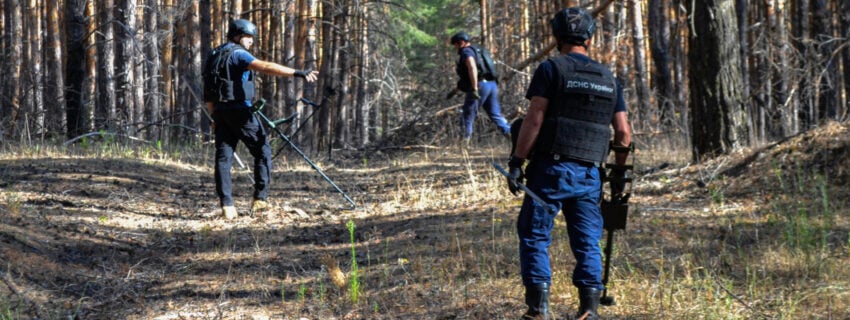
537 299
589 302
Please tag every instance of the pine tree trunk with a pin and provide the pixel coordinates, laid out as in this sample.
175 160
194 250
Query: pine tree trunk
362 104
718 114
138 66
826 74
166 27
322 125
55 79
36 71
75 73
205 23
12 90
105 112
153 85
659 26
341 129
787 106
90 86
844 10
125 14
641 89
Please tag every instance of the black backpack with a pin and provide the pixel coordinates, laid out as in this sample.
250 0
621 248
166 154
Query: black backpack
486 65
217 84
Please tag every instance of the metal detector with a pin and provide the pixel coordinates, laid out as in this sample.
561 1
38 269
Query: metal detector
303 122
615 210
552 209
257 109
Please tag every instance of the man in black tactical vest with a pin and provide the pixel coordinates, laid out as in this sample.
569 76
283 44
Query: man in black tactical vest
478 84
565 135
229 93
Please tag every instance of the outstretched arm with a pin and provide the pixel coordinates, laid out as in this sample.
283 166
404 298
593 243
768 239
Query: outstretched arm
280 70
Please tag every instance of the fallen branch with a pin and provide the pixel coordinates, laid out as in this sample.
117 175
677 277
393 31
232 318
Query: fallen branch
7 279
102 133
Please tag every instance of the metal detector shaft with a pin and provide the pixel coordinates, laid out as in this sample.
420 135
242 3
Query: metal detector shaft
609 245
301 153
298 129
528 191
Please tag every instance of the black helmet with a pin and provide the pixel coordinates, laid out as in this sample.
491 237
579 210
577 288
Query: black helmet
460 36
573 25
239 27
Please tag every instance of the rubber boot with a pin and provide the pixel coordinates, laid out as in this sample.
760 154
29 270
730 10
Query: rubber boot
537 299
588 303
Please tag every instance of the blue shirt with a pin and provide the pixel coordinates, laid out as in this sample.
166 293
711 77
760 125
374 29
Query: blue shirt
545 84
462 70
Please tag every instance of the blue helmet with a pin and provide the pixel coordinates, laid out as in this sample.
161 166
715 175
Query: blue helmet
239 27
460 36
573 25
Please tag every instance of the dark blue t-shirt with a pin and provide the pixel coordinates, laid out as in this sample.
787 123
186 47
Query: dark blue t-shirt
461 69
545 84
238 63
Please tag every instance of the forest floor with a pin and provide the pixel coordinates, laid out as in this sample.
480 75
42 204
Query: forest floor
134 233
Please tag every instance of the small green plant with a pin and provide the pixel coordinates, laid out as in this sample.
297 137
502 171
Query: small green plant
13 203
717 196
354 281
302 293
6 312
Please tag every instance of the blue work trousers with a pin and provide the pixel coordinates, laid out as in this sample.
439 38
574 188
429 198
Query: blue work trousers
232 126
489 93
575 189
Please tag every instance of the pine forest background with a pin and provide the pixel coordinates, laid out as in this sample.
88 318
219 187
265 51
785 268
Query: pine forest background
709 76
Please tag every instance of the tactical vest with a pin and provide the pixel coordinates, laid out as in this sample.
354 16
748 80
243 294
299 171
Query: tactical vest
577 121
224 79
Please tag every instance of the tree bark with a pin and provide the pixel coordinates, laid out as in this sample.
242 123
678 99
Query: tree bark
362 105
659 26
718 115
126 25
205 24
826 74
138 65
90 86
641 89
742 13
166 21
36 72
55 81
341 129
75 73
12 89
844 9
485 20
105 112
153 85
322 125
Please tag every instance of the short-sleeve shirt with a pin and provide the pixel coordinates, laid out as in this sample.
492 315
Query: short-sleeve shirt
544 83
462 71
239 61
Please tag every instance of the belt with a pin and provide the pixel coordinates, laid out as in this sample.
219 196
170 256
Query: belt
562 158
